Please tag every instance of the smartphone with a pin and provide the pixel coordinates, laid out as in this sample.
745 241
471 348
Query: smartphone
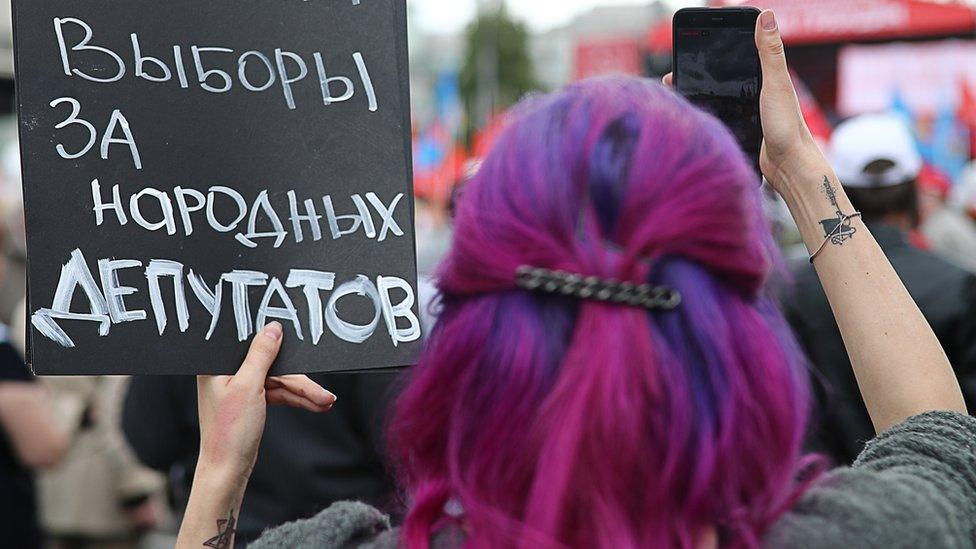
716 67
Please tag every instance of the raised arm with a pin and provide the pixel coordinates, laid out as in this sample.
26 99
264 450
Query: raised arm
900 366
232 413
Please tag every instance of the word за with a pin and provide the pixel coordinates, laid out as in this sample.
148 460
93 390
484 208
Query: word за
107 306
287 68
189 201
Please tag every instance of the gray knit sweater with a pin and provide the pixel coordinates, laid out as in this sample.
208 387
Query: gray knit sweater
912 487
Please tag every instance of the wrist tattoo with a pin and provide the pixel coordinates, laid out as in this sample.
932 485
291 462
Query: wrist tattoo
226 528
836 229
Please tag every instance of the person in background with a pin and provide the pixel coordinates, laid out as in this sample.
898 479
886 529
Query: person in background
610 368
877 162
13 245
433 232
433 235
309 461
31 439
98 496
933 191
951 229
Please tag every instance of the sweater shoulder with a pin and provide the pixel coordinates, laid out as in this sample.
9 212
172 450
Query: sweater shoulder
913 486
344 525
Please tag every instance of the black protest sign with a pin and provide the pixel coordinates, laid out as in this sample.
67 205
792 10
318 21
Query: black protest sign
193 170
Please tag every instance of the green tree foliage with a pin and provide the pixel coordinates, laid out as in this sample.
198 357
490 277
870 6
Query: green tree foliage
497 69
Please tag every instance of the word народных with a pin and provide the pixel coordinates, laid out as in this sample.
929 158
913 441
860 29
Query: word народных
185 203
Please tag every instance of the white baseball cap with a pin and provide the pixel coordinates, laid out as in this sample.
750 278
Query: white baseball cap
863 140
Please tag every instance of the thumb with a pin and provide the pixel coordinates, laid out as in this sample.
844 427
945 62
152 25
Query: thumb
264 349
772 54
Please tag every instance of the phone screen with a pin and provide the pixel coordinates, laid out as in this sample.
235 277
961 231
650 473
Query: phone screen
717 69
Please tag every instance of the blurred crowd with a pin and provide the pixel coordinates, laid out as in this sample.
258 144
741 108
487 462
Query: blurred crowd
106 462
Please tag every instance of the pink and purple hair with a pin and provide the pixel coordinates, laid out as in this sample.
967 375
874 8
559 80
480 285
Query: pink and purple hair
558 422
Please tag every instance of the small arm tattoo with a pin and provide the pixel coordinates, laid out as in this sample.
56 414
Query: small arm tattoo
836 229
226 528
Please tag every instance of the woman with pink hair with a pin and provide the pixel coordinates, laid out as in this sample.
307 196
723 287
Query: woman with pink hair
609 368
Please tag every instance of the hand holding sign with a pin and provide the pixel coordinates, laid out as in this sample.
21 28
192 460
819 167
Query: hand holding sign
194 171
233 408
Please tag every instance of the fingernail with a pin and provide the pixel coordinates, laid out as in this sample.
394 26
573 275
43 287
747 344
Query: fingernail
768 20
273 330
325 396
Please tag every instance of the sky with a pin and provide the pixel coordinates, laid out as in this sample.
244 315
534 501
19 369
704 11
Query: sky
449 16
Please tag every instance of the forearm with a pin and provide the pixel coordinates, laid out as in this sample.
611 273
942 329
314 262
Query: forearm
232 412
900 366
38 438
211 515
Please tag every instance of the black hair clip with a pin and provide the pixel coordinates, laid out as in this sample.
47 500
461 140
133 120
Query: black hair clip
594 288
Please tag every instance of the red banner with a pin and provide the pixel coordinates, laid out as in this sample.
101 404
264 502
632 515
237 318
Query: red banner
834 21
608 56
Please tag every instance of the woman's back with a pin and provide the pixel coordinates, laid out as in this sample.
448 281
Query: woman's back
608 370
913 487
621 426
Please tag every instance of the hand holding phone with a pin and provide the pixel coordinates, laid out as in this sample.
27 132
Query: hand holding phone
787 145
716 67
